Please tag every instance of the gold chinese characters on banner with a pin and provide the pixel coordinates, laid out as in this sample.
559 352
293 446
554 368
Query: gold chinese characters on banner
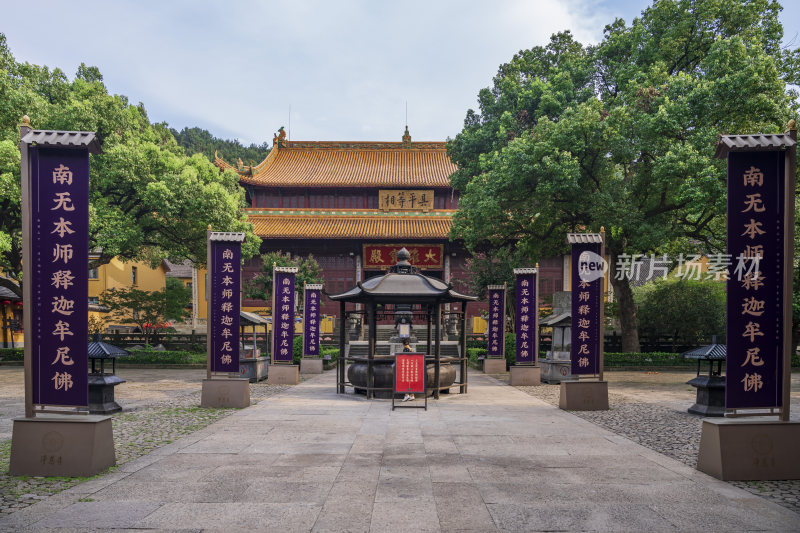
405 200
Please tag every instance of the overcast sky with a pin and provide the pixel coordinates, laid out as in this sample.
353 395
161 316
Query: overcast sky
345 68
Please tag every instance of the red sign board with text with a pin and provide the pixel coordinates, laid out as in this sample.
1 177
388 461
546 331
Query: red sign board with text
409 373
423 256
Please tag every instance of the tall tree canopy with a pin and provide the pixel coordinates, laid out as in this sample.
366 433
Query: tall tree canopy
259 287
197 140
148 200
622 134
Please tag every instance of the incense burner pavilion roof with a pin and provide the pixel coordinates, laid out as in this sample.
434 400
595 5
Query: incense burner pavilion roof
349 164
350 224
403 283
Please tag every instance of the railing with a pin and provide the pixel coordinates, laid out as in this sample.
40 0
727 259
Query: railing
613 343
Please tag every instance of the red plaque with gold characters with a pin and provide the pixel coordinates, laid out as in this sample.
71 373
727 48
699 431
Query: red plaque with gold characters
409 375
423 256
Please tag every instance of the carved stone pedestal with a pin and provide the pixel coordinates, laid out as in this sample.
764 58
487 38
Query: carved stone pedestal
526 375
494 366
61 445
749 449
283 375
226 392
311 366
584 396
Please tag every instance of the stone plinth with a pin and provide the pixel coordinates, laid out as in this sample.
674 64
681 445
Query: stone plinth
526 375
253 369
226 392
749 449
310 366
584 396
61 445
494 366
283 375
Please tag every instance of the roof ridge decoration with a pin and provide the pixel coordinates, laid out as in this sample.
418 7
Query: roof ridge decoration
361 213
403 164
363 145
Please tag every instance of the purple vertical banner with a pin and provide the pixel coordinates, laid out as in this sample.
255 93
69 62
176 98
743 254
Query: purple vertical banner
495 334
59 332
312 300
527 319
225 276
283 314
587 278
754 366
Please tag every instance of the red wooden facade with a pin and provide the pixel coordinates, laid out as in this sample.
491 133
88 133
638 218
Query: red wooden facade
324 199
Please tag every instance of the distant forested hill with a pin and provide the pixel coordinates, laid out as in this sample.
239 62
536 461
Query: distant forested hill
197 140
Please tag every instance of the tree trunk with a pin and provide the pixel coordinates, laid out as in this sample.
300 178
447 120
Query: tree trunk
627 309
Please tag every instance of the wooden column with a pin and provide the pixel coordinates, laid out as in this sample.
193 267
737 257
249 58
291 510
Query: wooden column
464 361
373 338
438 352
428 316
340 367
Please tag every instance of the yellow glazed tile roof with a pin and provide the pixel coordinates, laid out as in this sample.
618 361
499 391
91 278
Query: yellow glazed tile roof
349 224
350 164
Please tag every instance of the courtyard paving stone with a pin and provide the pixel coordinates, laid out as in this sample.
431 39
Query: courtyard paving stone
650 408
495 459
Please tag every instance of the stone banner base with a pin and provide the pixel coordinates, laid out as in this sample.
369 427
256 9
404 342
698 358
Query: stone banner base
61 445
311 366
526 375
283 375
584 396
749 450
494 366
226 392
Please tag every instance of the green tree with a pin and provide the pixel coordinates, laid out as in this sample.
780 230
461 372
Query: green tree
148 310
148 200
622 134
177 298
485 269
689 311
260 286
200 141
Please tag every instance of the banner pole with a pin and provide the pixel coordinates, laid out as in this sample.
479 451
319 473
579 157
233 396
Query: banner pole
27 267
601 354
788 270
208 302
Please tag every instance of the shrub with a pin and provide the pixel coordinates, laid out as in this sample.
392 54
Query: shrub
689 311
511 348
12 354
612 359
171 357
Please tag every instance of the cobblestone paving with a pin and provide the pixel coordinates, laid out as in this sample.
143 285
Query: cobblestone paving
666 430
152 423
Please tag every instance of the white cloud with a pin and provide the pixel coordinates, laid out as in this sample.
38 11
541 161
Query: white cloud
346 68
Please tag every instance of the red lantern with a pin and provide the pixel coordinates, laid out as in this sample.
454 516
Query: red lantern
19 304
6 302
